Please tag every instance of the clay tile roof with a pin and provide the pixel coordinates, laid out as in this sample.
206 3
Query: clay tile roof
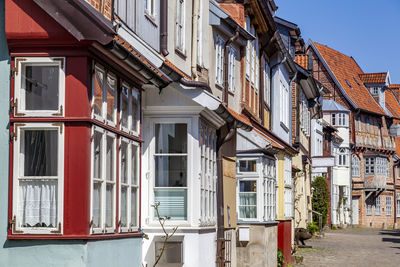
271 140
175 68
347 71
238 116
379 77
302 60
394 86
391 103
397 141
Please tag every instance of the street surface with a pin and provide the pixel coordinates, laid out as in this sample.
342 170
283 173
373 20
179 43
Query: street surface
352 247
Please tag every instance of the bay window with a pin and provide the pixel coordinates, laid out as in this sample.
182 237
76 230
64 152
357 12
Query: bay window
342 155
247 199
103 181
39 89
170 169
130 110
339 119
269 190
38 178
128 185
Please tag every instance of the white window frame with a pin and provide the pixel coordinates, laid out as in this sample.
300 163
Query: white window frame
342 156
180 26
288 190
369 163
269 199
231 69
219 60
103 180
257 66
248 48
398 205
378 205
368 207
131 121
18 168
150 8
103 116
254 179
267 84
253 57
284 99
19 95
171 120
355 168
247 160
388 210
199 35
130 185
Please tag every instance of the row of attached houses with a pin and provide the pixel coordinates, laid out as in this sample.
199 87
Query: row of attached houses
218 111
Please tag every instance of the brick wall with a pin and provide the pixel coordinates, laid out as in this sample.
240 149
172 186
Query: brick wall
103 6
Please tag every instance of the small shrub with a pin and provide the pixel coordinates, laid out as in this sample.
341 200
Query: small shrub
334 227
313 227
320 199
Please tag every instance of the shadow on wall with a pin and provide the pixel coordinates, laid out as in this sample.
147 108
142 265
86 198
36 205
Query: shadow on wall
393 237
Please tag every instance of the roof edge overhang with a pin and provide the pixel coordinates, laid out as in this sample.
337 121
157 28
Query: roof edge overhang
80 19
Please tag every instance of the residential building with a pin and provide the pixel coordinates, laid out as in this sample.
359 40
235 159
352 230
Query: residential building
373 145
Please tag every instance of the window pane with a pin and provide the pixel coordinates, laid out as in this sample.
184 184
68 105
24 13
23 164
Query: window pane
135 165
124 107
41 87
172 203
111 83
135 110
124 162
247 165
97 155
96 204
170 171
109 205
171 138
110 159
98 92
248 212
134 206
40 150
248 186
38 203
124 210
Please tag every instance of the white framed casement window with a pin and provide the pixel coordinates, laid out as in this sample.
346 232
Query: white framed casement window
38 178
284 100
248 48
247 166
103 184
199 33
253 57
397 205
369 165
378 205
231 69
208 183
150 8
342 155
219 60
130 110
355 166
180 26
368 206
128 185
288 191
269 190
267 84
257 66
104 96
388 209
39 89
247 199
170 154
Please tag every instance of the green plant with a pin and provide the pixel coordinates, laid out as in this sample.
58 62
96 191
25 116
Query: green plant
312 227
320 199
334 227
281 259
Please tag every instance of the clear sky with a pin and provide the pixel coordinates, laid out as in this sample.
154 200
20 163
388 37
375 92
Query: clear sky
368 30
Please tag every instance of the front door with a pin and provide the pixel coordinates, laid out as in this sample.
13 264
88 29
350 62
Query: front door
355 211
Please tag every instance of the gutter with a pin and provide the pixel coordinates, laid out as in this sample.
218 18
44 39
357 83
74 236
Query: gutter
226 65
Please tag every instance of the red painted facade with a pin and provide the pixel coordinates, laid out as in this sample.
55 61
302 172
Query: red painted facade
31 32
285 239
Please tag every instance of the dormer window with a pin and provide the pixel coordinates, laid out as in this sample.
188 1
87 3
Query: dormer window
339 119
375 90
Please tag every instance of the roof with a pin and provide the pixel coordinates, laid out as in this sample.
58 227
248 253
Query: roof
302 61
378 77
346 71
273 143
392 104
331 105
394 86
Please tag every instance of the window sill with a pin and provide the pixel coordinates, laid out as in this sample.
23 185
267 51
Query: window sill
180 53
76 237
284 127
257 223
150 18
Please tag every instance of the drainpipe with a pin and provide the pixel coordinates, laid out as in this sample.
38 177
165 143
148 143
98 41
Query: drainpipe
220 192
226 64
164 28
195 11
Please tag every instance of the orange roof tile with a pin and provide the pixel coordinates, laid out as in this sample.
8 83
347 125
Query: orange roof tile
346 71
394 86
302 60
378 77
175 68
238 116
392 104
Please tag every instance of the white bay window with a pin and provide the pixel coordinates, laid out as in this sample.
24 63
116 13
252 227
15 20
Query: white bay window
38 178
130 110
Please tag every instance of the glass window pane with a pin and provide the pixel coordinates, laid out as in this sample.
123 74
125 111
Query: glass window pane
98 92
41 87
124 107
109 205
38 203
135 165
170 171
124 162
172 203
134 216
111 100
110 158
40 150
135 110
96 204
248 165
171 138
124 203
97 155
248 212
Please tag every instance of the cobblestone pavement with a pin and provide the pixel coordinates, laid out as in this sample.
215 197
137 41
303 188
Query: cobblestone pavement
353 247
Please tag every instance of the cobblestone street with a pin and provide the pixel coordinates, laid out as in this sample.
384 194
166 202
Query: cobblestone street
353 247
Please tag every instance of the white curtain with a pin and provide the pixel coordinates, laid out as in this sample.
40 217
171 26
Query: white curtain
38 203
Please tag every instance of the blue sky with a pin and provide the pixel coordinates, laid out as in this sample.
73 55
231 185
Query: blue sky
368 30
